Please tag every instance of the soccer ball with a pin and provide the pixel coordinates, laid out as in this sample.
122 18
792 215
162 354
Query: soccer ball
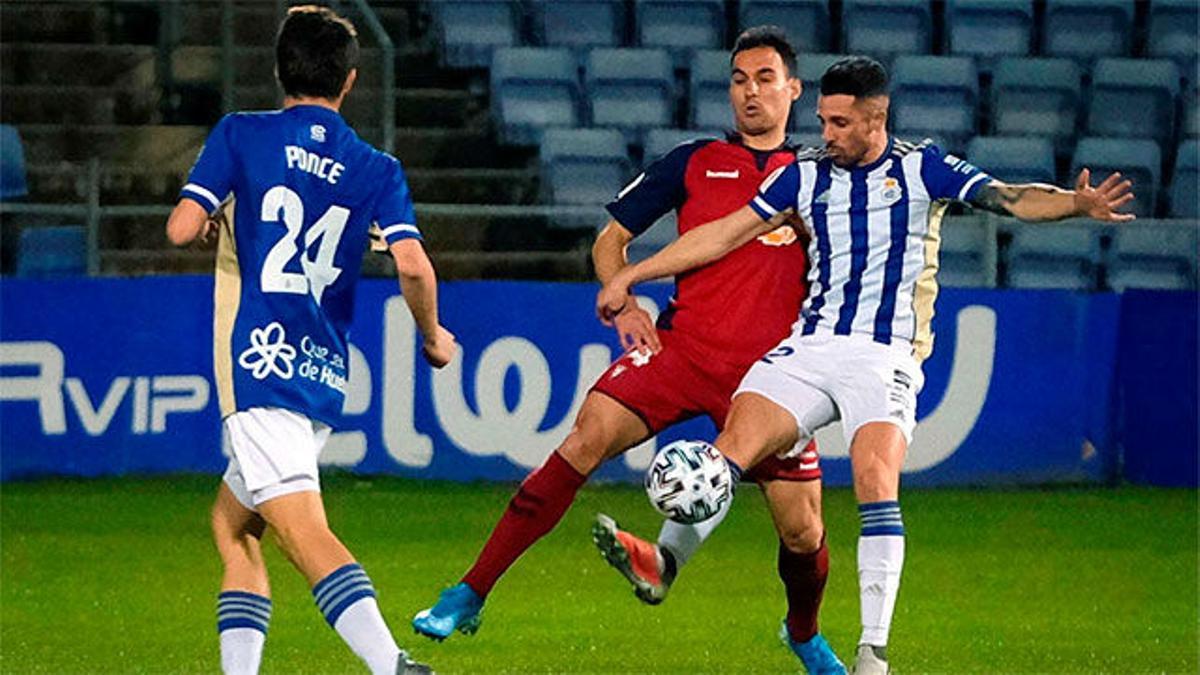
689 481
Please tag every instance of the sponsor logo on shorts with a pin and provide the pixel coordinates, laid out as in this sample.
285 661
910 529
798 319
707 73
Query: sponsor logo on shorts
617 371
640 357
268 353
900 396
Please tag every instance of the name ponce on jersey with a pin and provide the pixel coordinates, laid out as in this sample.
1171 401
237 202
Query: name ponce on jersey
325 168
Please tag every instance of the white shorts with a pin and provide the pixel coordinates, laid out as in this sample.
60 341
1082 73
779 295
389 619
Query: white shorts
822 378
274 453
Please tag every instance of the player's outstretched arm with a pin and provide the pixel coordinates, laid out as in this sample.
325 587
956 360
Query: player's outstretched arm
695 248
418 283
1040 202
633 324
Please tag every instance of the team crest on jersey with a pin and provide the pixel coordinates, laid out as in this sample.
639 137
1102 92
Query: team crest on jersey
268 353
891 191
780 236
317 132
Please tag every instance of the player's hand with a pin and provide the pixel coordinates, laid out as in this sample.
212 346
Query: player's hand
1101 202
636 329
612 299
440 350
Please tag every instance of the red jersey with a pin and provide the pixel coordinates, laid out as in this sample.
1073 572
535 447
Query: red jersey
740 306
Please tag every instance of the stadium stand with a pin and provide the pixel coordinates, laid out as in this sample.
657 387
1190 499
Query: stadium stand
1153 254
1191 111
652 240
630 89
681 26
967 258
809 68
1134 98
1171 33
1138 159
1187 179
13 184
533 89
579 24
935 96
1088 29
52 251
805 21
989 29
709 90
469 30
885 28
583 166
1014 159
1054 255
1037 97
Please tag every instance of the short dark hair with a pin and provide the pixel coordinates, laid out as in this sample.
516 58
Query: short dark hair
857 76
767 36
315 51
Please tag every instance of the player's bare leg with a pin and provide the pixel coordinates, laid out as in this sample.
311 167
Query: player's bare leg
603 428
244 604
803 568
877 456
342 590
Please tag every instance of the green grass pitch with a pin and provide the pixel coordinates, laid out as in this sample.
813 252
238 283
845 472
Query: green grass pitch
120 576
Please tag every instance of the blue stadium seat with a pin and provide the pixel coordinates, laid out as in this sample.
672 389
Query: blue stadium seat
1054 255
1138 159
1187 179
1173 26
1191 112
1036 97
967 257
533 89
653 240
681 26
13 184
661 141
630 89
579 23
1087 29
583 166
935 96
1014 159
989 29
1151 254
810 68
805 21
52 252
1134 98
708 90
884 28
469 30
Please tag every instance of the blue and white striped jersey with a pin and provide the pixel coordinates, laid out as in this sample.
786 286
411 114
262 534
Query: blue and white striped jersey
307 189
875 237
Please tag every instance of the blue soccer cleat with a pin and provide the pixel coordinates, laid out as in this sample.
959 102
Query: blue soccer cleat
457 608
816 654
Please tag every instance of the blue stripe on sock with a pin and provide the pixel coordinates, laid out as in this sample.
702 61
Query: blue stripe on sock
881 519
239 609
340 589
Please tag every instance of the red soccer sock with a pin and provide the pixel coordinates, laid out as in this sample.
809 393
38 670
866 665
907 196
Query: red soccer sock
804 576
537 507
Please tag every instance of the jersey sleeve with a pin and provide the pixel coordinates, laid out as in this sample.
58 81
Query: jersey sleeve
659 189
949 177
211 177
394 213
778 192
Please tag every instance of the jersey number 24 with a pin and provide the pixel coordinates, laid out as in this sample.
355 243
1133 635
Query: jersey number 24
319 272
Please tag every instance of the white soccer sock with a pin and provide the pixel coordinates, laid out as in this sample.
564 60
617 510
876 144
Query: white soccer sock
880 560
362 626
242 619
347 599
241 650
684 540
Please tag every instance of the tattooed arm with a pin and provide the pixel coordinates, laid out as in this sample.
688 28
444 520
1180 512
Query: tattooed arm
1037 201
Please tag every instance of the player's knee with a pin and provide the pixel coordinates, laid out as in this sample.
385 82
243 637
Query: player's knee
584 449
803 536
